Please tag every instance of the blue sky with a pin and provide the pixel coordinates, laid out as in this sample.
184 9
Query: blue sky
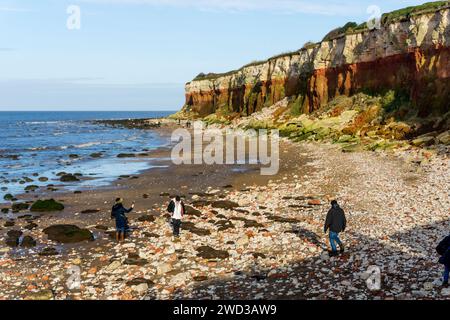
137 54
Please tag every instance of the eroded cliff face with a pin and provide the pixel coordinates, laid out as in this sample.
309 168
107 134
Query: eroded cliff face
411 57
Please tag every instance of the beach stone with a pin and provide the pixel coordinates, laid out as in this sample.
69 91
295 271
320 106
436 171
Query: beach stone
314 202
5 210
46 206
141 288
69 178
190 211
164 268
428 286
89 211
423 141
445 292
242 241
224 204
126 155
31 226
113 266
252 224
96 155
207 252
200 278
9 224
135 260
150 235
41 295
444 138
147 218
190 226
13 237
224 225
49 251
20 206
43 179
138 281
180 279
8 197
68 234
14 233
31 188
28 242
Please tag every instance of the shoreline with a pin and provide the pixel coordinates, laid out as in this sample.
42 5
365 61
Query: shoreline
272 215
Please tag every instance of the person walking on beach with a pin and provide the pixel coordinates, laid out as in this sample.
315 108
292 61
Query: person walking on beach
336 223
176 209
443 249
118 212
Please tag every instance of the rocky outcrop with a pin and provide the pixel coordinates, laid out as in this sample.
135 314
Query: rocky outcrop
68 234
409 55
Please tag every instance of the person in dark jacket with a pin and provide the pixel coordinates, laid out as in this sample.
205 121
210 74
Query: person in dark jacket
118 212
443 249
176 209
336 223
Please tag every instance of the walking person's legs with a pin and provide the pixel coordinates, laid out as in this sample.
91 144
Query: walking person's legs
339 242
176 227
332 237
446 275
120 234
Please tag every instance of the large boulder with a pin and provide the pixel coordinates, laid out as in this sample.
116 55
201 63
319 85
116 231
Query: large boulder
20 206
65 233
13 238
46 206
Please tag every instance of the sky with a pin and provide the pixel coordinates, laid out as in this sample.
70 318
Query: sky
138 54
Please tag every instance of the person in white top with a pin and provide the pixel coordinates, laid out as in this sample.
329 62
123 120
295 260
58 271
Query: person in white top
176 209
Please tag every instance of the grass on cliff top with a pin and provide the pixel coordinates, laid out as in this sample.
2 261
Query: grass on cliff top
405 13
348 28
386 19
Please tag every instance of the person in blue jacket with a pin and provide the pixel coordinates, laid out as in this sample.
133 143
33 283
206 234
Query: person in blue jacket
118 212
443 249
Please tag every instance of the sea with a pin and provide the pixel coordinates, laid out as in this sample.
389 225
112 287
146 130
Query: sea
39 145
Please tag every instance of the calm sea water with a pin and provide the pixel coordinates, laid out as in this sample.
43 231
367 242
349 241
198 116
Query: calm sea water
39 144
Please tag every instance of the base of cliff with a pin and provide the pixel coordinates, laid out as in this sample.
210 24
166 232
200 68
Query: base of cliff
359 122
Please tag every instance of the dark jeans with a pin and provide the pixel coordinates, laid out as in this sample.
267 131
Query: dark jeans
176 224
446 274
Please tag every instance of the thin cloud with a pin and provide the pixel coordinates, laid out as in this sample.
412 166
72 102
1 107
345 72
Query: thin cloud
13 9
343 7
